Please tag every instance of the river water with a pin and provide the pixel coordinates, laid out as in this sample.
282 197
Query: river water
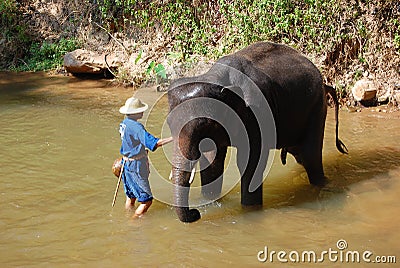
59 137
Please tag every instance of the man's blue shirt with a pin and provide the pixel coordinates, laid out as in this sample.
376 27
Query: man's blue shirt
135 138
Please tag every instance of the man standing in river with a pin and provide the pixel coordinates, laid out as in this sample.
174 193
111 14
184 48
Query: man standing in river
135 139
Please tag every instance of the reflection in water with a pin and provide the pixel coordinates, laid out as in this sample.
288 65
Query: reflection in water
59 138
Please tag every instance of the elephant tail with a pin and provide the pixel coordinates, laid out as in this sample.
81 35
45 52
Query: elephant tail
339 144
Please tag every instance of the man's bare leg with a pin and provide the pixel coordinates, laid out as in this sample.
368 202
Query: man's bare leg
142 208
130 203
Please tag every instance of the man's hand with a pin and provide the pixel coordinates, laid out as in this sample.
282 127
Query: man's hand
162 142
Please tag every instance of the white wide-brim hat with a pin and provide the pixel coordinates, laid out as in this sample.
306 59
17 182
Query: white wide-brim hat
133 106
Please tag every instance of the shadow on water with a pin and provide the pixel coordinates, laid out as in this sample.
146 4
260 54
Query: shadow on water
362 165
19 88
31 89
342 171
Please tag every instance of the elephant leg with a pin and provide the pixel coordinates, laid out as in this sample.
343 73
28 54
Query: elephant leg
310 153
251 168
314 168
211 172
284 152
296 152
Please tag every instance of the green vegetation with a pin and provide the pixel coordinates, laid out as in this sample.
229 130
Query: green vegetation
348 38
216 27
14 37
47 56
396 25
8 10
23 51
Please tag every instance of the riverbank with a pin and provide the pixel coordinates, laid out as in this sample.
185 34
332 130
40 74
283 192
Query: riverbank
159 42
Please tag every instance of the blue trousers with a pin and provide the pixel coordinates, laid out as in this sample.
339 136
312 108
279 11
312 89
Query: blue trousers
136 180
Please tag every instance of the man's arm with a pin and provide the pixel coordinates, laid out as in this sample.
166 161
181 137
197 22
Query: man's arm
162 142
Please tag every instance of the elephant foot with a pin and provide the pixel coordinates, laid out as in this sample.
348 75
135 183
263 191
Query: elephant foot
249 208
211 195
252 198
188 215
251 202
320 182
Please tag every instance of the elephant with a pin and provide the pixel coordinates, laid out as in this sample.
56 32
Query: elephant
264 97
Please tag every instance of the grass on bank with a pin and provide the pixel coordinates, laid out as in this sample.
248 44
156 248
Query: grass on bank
46 56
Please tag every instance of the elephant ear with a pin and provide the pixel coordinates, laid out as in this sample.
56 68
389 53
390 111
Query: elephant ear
243 78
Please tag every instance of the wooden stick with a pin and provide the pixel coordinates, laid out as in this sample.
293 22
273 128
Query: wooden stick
118 183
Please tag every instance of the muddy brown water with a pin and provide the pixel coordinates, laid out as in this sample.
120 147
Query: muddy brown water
58 138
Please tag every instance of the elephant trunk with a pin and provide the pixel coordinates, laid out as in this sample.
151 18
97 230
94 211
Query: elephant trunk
180 177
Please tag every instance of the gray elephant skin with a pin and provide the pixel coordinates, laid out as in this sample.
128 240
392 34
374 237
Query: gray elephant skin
265 96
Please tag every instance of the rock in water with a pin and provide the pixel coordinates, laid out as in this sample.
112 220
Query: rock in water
81 61
364 91
396 96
